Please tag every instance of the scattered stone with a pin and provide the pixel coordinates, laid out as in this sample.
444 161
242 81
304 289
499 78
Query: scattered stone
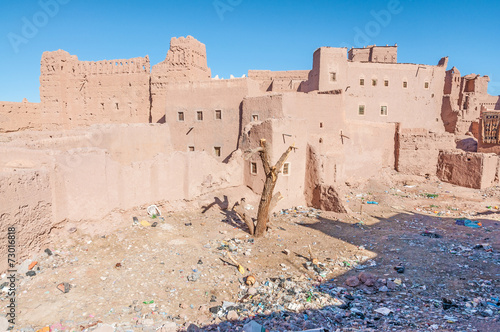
232 315
48 252
352 281
31 273
384 311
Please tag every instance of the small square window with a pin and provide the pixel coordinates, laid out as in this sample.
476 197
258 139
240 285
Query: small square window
383 110
180 116
426 85
217 151
199 115
286 168
374 82
361 110
253 168
361 81
405 84
333 77
386 82
218 115
255 117
321 124
191 148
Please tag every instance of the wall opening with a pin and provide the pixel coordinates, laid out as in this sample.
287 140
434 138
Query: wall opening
255 117
191 148
286 169
383 110
218 115
199 116
361 110
361 81
180 116
253 168
217 151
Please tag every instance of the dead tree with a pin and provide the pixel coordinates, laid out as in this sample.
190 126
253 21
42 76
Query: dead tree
267 200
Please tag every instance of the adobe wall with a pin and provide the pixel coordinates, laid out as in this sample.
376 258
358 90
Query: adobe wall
418 150
79 93
21 116
291 186
207 97
413 107
107 166
27 205
186 61
466 169
279 81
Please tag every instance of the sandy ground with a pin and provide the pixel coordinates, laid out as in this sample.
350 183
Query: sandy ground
138 277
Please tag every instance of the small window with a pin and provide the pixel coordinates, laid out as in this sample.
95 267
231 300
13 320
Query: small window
386 82
255 117
361 110
217 151
180 116
405 84
253 168
333 77
286 168
361 81
426 85
199 115
374 82
321 124
383 110
191 148
218 115
116 105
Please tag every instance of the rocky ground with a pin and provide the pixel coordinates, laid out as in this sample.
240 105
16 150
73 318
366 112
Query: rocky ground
409 263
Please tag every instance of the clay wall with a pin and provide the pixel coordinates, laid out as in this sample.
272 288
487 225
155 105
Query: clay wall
418 105
79 93
418 150
26 205
21 116
186 61
466 169
290 185
279 81
219 102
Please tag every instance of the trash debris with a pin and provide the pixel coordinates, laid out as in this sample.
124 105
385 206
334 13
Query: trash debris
31 273
153 210
384 311
64 287
431 235
399 268
250 280
145 223
48 252
241 269
468 223
372 202
32 265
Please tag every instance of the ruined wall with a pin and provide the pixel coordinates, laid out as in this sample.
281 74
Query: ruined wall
464 97
205 115
386 54
21 116
186 61
419 150
27 205
466 169
78 93
279 81
96 170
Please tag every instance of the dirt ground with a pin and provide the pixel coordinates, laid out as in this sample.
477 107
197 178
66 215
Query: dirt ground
136 277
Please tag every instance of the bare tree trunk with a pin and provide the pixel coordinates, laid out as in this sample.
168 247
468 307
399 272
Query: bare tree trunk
267 199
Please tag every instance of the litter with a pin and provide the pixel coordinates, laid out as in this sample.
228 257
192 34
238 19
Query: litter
372 202
153 210
468 223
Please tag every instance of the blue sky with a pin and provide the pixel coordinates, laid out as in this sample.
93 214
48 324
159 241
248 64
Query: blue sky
243 34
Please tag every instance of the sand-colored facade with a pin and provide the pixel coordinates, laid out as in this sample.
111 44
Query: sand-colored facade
122 133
